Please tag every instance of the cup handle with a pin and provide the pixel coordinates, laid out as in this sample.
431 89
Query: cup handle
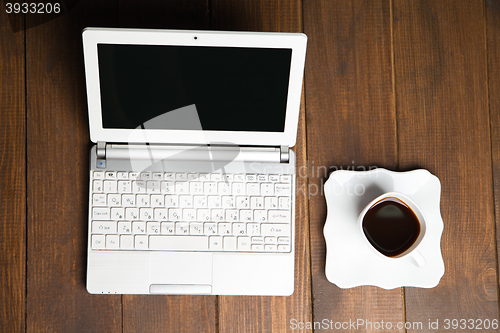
418 259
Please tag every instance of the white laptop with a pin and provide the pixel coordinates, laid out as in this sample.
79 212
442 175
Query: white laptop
192 180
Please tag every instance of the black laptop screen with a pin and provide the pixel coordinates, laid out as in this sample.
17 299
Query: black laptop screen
193 88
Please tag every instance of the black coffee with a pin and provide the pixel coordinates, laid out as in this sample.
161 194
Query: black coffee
391 226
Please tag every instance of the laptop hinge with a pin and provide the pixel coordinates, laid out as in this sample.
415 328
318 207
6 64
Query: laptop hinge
101 150
284 154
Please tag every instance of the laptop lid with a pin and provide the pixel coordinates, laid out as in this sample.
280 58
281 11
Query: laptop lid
193 87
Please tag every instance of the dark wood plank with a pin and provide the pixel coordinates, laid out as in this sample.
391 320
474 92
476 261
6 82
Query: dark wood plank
266 314
443 126
58 177
143 313
12 176
493 49
351 123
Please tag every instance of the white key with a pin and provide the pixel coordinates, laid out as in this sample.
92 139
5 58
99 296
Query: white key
97 186
167 187
203 215
160 214
110 175
224 188
141 242
168 228
274 178
196 188
214 201
171 201
157 176
217 215
204 176
103 227
157 200
98 242
98 174
284 202
242 202
192 176
126 242
216 176
272 248
239 229
253 229
244 243
239 178
99 199
256 202
262 178
227 177
199 243
181 187
185 201
110 186
139 227
210 188
283 240
283 248
282 189
133 175
257 240
253 189
270 203
189 214
112 242
260 215
182 228
246 215
268 229
114 199
257 247
174 214
196 228
132 213
286 178
153 228
153 186
251 178
117 213
100 213
229 243
124 227
210 228
228 202
146 213
143 200
146 175
215 243
200 201
239 189
280 216
232 215
128 200
225 229
139 186
266 189
124 186
169 176
271 240
181 176
122 175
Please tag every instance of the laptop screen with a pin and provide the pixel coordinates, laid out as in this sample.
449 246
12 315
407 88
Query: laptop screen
193 87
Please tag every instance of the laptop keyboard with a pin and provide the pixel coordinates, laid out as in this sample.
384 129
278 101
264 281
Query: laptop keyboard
170 211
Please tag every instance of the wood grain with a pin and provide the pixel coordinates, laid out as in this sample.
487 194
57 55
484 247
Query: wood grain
58 177
443 126
271 314
493 59
350 125
12 176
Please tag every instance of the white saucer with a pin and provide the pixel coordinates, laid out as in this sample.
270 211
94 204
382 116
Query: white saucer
349 260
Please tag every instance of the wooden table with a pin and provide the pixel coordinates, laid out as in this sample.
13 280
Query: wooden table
396 84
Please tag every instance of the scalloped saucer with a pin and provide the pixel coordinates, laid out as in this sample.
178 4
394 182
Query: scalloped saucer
349 261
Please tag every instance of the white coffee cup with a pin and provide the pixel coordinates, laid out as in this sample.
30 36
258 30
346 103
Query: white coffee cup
412 251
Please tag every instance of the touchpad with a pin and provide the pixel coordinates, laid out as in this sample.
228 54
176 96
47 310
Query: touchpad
181 268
